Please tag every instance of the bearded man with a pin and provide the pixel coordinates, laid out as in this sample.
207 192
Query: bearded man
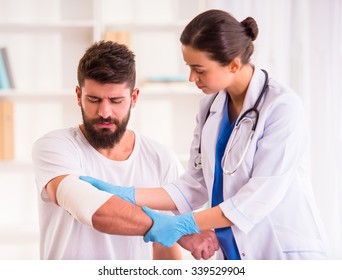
97 224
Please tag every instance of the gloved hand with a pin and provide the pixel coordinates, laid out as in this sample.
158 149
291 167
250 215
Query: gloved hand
167 229
126 193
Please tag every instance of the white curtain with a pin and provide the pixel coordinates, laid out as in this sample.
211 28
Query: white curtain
300 44
325 101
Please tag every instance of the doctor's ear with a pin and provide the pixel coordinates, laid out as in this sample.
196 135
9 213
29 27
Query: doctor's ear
234 65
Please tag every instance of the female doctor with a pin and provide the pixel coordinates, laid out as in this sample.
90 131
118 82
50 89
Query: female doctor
248 155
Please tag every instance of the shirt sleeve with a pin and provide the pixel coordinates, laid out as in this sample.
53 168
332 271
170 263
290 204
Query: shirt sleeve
52 156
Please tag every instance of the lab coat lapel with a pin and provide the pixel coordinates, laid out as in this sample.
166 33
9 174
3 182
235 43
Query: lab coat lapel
211 129
254 89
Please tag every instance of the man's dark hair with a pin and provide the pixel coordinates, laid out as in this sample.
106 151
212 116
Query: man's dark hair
107 62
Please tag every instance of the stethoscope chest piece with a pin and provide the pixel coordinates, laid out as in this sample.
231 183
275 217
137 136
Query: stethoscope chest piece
198 161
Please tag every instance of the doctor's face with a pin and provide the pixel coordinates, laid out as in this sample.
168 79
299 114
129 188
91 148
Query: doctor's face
209 75
105 111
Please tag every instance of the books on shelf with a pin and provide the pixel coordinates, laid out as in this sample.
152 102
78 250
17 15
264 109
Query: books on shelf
121 37
167 79
166 83
6 130
6 78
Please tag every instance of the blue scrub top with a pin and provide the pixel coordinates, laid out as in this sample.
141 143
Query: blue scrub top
224 235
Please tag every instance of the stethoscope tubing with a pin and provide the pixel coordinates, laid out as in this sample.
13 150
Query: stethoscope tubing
254 109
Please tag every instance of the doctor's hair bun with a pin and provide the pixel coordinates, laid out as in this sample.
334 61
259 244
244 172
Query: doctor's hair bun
251 27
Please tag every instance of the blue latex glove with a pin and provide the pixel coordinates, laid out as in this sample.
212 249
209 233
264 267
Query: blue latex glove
167 229
126 193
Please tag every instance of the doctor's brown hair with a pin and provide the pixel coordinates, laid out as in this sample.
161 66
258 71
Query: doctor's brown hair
221 36
107 63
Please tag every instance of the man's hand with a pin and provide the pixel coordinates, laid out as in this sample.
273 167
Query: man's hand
202 245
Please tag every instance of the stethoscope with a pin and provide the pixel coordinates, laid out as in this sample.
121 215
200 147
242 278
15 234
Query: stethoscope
243 119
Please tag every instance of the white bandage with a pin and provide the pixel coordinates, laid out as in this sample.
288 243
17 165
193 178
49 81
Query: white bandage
80 198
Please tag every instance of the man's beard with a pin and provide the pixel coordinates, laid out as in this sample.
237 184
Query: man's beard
104 138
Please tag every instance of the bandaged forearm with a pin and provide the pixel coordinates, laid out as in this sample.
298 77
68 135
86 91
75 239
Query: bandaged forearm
80 199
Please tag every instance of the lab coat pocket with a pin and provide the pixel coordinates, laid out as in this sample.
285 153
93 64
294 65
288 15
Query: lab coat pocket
296 245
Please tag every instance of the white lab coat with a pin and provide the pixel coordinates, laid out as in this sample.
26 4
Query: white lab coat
269 199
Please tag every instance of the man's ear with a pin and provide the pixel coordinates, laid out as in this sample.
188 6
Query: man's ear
134 97
78 93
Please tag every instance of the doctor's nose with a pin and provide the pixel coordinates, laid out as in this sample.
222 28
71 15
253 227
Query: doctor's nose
193 77
104 109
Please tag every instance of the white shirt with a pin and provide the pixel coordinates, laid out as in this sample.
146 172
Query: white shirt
67 151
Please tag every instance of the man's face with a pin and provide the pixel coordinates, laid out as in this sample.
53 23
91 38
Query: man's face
105 111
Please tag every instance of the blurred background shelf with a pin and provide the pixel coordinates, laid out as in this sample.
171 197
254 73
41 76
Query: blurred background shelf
15 166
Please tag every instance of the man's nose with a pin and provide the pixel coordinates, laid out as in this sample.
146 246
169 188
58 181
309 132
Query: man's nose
104 109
